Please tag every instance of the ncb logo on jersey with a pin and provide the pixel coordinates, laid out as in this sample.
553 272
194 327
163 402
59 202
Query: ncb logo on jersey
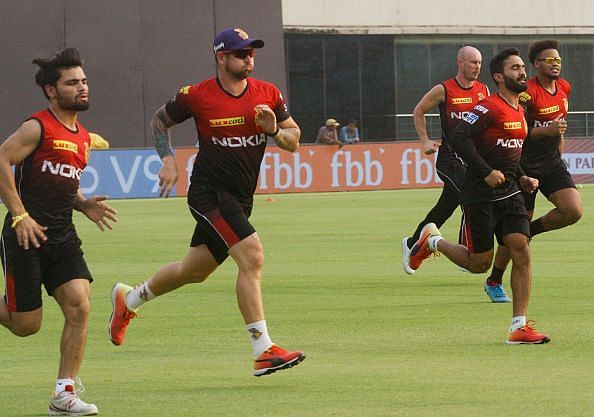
471 118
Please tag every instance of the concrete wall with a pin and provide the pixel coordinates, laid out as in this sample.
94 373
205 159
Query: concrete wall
138 53
438 16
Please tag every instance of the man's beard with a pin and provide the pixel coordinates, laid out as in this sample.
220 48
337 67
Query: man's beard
514 85
239 74
72 106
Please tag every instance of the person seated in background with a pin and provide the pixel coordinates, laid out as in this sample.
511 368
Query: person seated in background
328 134
349 134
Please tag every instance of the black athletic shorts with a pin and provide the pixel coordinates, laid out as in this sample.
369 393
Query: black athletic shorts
221 221
555 179
450 169
499 218
51 265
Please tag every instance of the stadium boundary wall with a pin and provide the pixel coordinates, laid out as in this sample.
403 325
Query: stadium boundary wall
133 173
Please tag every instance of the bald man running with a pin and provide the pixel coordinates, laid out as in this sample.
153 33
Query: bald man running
455 97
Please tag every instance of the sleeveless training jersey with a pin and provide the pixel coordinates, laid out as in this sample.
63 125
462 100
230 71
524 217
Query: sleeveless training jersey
48 179
459 101
542 107
231 145
497 131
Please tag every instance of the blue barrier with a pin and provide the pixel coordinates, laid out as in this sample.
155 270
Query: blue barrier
123 173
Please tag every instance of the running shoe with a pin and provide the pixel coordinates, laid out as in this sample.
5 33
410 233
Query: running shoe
67 403
120 315
275 359
497 294
421 250
527 335
406 257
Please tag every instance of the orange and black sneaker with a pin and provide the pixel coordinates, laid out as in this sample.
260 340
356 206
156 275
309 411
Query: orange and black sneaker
527 335
421 250
120 315
276 359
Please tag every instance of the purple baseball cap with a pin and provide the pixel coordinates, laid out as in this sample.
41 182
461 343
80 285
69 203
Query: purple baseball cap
234 38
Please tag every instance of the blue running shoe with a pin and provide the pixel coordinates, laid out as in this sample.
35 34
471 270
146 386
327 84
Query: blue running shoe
497 294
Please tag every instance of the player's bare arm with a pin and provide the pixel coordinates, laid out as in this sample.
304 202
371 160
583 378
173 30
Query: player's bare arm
288 134
556 127
96 210
432 99
14 150
159 129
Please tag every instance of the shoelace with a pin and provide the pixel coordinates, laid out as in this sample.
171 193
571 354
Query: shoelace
79 388
129 315
529 327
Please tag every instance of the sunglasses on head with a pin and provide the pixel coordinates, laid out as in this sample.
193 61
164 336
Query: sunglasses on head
551 60
241 53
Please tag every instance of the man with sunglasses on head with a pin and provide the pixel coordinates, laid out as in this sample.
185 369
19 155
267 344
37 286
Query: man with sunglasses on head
546 104
234 114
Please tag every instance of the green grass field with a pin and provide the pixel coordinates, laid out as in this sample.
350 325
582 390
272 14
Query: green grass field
378 342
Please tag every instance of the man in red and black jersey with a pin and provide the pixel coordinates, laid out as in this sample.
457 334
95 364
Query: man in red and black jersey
39 243
490 141
455 97
233 114
546 101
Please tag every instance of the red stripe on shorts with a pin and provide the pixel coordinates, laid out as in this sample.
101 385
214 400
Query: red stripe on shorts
10 292
224 229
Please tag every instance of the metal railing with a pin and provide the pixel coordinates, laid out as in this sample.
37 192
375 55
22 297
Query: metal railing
579 124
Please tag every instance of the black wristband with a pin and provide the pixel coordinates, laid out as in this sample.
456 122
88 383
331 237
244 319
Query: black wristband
275 132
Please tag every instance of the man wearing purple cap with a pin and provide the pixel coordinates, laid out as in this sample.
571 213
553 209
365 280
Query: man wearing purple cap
233 115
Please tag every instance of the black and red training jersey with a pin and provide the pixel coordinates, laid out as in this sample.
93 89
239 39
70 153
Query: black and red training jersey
542 107
231 145
48 179
496 130
459 101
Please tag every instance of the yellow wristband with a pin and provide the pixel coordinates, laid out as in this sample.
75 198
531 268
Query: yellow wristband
17 219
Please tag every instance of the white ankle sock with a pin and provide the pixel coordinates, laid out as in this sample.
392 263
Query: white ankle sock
61 384
259 337
138 296
517 322
433 242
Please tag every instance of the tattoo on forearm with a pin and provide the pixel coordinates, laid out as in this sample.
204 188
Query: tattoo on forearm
159 128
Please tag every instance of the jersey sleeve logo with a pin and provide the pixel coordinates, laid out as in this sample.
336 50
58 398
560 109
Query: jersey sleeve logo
185 90
480 96
525 97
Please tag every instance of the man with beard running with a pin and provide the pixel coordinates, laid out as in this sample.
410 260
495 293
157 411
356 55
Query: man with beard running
233 115
39 243
546 103
490 140
455 97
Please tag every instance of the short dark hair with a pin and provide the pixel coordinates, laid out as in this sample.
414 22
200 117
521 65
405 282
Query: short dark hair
537 47
49 68
496 64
